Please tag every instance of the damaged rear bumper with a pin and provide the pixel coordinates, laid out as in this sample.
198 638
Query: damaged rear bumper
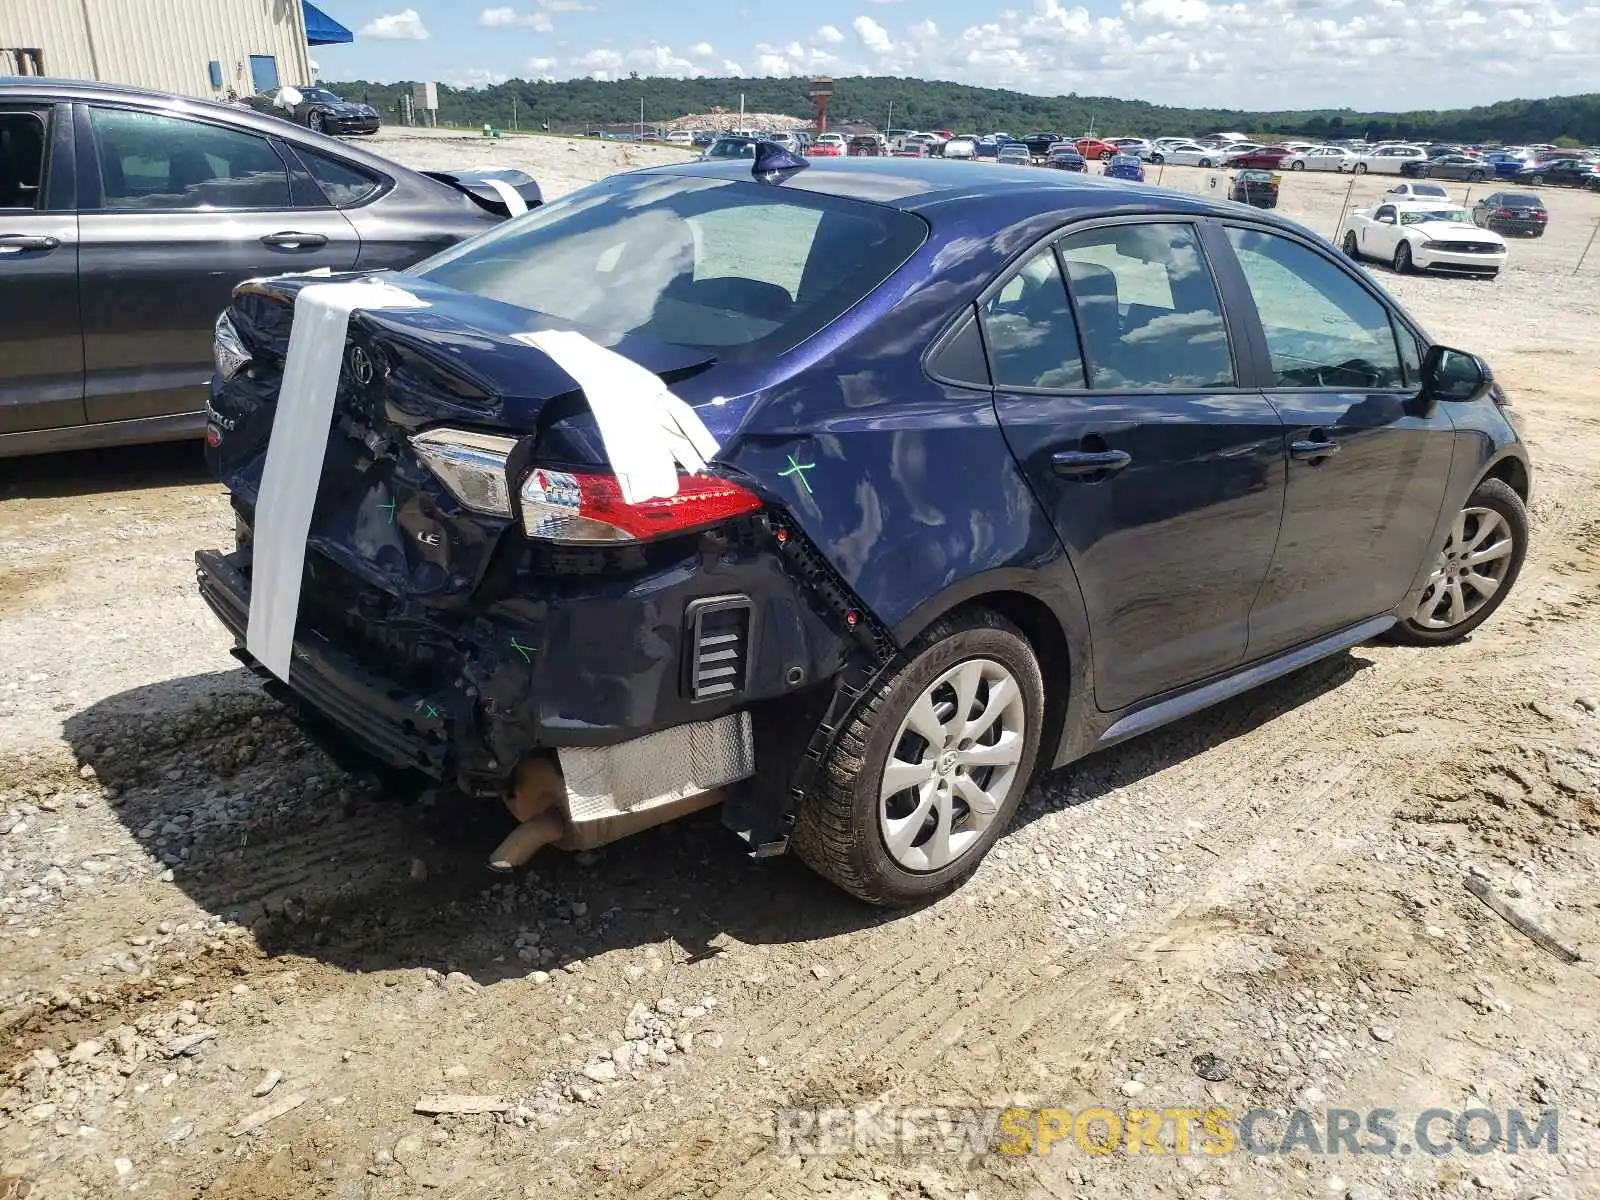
440 698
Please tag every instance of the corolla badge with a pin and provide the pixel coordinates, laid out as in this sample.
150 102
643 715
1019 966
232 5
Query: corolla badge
362 369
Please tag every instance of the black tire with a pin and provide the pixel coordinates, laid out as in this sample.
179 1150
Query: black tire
1297 166
838 834
1497 496
1402 258
1106 156
1359 168
1350 246
1536 180
1474 176
314 122
1157 160
1424 172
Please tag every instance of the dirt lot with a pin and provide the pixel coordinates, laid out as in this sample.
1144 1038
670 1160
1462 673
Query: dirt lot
201 918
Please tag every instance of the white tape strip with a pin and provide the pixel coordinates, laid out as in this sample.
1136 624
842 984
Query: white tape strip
515 204
646 429
294 457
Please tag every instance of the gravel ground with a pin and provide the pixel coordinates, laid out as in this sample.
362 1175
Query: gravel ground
228 969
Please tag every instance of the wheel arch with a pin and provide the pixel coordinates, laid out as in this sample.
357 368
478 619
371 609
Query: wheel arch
1512 471
1056 628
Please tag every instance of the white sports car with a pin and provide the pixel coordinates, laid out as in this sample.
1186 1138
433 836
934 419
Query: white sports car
1421 235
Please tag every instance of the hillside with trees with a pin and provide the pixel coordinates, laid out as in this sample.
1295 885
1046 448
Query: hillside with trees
579 105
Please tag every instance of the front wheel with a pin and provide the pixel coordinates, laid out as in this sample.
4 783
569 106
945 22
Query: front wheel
1206 163
1351 248
1475 570
1402 258
928 773
1475 177
1360 168
1156 160
1297 166
315 122
1537 180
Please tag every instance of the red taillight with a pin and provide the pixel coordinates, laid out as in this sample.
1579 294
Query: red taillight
1539 214
569 506
1502 212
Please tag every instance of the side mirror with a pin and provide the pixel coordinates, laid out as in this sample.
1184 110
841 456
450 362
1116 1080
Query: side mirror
1454 375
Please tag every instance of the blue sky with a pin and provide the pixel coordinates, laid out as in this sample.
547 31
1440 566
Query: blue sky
1370 54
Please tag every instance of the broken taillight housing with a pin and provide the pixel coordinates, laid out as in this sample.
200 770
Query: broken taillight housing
472 466
580 508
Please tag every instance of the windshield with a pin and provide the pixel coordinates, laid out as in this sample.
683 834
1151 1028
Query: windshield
1418 216
747 269
320 96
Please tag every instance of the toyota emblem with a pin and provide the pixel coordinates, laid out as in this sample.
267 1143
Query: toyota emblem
361 368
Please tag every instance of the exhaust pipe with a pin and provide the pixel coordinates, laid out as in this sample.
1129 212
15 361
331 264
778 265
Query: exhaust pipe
536 800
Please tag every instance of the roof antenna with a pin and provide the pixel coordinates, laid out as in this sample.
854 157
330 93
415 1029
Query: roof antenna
774 164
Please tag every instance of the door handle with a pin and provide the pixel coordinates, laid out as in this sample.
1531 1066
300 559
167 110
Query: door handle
1088 462
15 243
295 241
1309 451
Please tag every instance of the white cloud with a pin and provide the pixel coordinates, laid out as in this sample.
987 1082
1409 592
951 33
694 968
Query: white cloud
405 26
475 77
656 59
566 6
1248 54
504 18
873 36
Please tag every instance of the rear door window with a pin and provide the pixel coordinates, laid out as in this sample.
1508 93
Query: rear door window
150 162
343 184
1147 308
1033 342
22 159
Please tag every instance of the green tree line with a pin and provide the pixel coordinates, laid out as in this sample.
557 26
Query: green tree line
578 105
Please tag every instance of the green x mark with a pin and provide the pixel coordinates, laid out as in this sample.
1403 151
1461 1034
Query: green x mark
525 651
388 508
799 471
427 709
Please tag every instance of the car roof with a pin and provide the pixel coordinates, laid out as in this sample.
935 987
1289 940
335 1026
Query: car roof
944 191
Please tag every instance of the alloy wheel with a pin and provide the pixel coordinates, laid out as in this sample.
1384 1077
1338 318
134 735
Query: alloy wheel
954 764
1469 570
1402 258
314 121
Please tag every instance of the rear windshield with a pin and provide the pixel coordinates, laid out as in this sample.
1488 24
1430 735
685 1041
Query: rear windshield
1521 200
744 268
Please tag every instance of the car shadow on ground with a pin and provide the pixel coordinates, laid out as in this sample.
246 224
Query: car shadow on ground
261 828
99 472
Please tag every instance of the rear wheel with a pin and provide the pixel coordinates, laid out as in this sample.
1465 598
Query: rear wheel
1476 568
927 776
1402 258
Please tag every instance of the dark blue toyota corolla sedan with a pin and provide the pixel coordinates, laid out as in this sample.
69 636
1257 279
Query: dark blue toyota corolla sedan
971 473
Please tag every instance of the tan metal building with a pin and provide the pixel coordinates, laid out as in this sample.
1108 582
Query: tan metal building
203 48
